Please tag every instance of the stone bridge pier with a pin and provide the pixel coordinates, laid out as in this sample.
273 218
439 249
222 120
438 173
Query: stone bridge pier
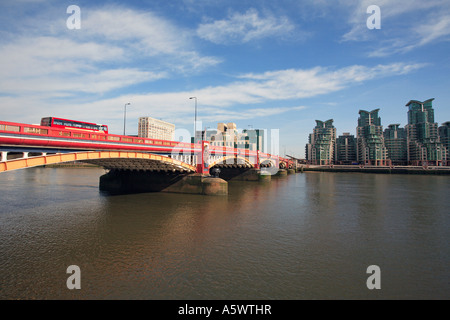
157 174
129 181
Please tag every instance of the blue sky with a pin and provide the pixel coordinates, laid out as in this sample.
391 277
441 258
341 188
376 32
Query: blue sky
275 64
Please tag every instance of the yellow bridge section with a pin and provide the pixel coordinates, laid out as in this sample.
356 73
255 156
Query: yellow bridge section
135 160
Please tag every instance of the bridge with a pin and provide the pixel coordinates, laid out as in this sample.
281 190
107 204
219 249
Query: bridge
135 163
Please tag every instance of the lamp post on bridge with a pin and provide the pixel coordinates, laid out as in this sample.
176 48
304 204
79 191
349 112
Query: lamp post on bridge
195 119
125 116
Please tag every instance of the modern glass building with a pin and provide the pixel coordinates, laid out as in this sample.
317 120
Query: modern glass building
424 147
371 149
346 149
444 137
321 146
256 136
395 142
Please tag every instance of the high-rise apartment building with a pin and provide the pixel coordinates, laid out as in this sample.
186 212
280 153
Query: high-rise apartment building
156 129
444 137
424 147
371 149
421 142
321 147
395 142
346 149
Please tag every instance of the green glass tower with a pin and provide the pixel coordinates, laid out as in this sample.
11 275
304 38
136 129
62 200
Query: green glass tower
395 142
256 136
424 146
371 149
444 137
346 149
320 149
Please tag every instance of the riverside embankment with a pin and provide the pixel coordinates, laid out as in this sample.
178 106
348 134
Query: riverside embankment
386 170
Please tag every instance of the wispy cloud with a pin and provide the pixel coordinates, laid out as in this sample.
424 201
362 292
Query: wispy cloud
406 25
223 115
254 94
245 27
145 35
437 27
106 54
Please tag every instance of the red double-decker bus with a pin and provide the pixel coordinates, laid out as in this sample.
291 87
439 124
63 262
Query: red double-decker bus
72 124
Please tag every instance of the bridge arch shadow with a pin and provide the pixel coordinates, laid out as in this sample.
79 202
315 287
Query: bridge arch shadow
230 166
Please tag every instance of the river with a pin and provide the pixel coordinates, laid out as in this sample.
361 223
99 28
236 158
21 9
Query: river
309 235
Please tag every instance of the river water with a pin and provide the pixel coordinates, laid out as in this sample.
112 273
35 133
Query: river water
305 236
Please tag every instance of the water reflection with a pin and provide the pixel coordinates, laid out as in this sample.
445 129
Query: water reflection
304 236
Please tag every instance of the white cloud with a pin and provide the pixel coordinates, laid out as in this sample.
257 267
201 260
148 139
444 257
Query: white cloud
115 47
246 27
52 65
405 25
96 83
142 29
390 10
300 83
242 99
145 35
41 56
436 28
224 114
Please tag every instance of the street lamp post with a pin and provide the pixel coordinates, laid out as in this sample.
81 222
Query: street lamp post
195 119
125 116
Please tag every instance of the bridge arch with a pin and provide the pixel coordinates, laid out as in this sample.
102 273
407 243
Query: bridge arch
267 162
123 160
235 161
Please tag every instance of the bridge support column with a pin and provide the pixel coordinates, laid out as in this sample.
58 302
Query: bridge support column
199 184
4 156
281 173
252 175
265 177
122 182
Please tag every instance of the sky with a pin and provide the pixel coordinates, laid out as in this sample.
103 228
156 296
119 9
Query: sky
263 64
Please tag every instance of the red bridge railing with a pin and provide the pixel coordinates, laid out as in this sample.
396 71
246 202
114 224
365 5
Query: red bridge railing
20 134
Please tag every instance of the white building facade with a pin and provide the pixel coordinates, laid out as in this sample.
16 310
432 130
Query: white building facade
149 127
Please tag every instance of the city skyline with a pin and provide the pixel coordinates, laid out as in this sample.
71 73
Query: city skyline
265 64
421 142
